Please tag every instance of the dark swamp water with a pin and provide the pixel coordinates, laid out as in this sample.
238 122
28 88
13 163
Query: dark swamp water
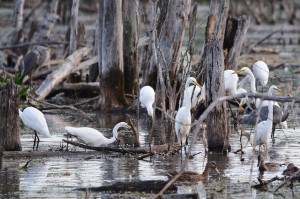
59 177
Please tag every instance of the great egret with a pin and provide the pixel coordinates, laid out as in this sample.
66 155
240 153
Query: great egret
264 128
249 76
183 117
262 166
35 119
279 116
93 137
147 98
197 93
261 72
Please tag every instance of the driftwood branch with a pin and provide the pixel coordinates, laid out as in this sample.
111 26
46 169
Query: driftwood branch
136 134
263 183
141 150
61 73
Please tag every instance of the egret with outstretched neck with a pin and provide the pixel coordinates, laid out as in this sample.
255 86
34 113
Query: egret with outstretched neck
93 137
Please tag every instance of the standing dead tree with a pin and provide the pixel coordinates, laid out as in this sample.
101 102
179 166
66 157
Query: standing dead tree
212 61
110 53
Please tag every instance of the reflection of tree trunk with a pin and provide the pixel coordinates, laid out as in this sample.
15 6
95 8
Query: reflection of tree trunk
9 122
110 51
10 181
130 17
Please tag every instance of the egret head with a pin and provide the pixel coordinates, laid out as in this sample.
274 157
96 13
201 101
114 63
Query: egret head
191 80
244 71
120 125
274 88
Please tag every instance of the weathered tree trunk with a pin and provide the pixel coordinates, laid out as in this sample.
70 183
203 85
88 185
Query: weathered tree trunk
110 51
74 28
218 130
130 38
235 33
9 122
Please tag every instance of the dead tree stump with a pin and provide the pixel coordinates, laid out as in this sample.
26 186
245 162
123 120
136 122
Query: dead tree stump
236 29
9 128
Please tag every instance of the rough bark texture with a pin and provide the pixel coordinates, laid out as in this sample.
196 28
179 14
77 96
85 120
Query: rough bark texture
172 33
74 23
9 119
217 121
130 36
235 33
212 60
111 66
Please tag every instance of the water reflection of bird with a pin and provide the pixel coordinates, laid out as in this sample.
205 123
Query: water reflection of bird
183 116
264 128
291 170
194 176
93 137
147 98
35 119
262 166
261 72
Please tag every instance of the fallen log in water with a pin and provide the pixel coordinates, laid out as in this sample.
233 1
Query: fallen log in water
149 186
141 150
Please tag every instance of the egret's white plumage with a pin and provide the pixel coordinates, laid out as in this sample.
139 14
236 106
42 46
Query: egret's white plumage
261 72
93 137
183 117
147 98
197 95
35 119
230 81
264 128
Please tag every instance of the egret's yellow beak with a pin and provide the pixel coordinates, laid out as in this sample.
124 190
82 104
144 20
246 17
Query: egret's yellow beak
241 106
128 126
196 83
279 90
238 72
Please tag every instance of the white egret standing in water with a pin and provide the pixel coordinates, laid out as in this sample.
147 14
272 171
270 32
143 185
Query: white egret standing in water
35 119
263 129
147 98
183 116
93 137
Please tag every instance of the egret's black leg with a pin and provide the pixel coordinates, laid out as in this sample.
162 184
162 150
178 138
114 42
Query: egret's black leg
38 140
272 133
34 140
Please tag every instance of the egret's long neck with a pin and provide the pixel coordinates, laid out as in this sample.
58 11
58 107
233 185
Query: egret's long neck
270 107
115 131
252 84
187 95
111 140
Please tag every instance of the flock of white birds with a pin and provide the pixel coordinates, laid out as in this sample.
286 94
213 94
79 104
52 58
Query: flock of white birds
193 94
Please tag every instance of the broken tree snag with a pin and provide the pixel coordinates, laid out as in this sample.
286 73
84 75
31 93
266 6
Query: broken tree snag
110 52
9 118
219 8
61 73
148 186
130 39
235 33
217 121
